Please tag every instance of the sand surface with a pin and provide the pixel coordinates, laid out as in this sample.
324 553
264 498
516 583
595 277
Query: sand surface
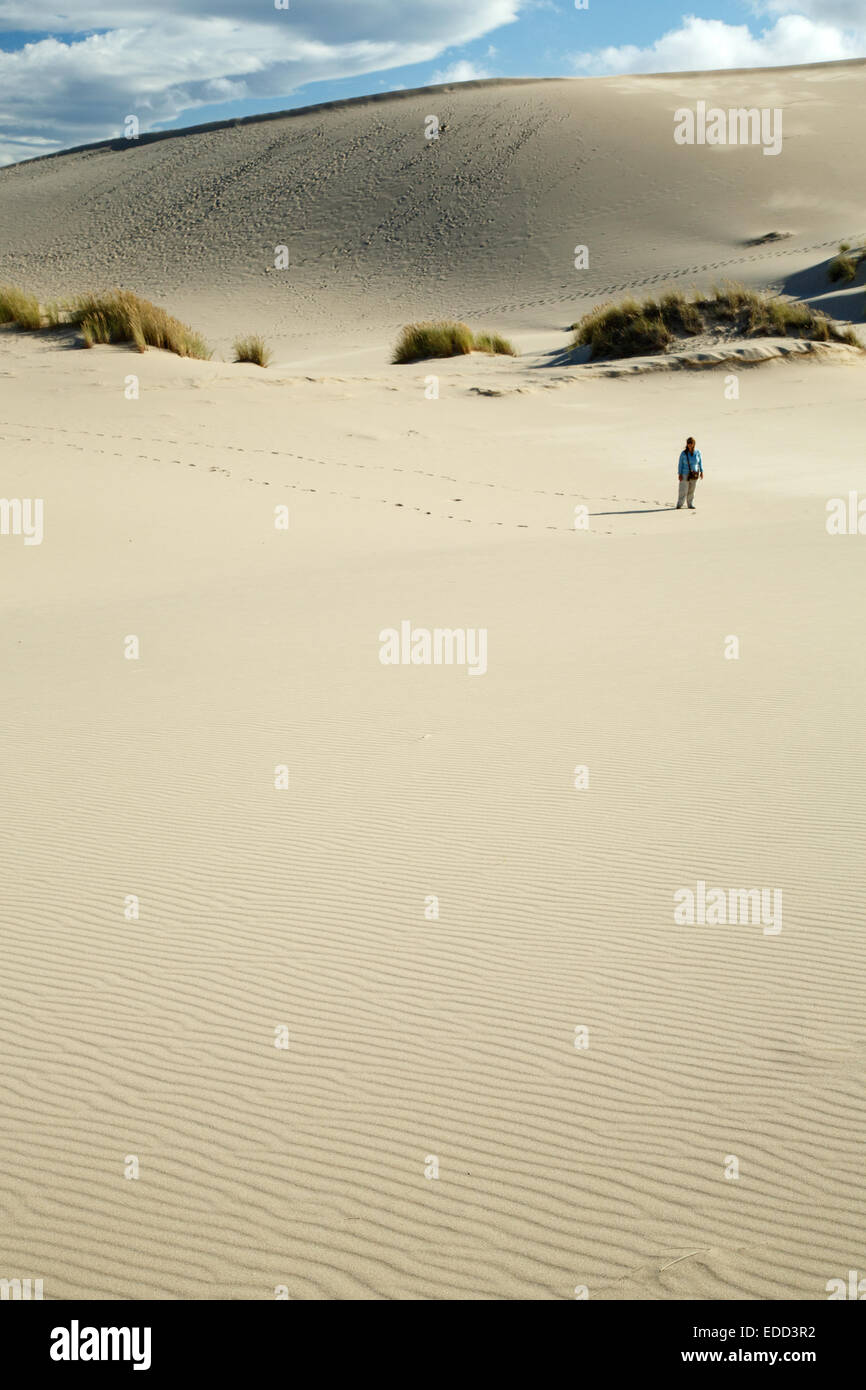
411 1038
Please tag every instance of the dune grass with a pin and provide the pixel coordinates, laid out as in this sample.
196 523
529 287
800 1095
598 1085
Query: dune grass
19 308
54 314
635 328
446 338
628 329
681 315
440 339
114 316
120 316
843 266
493 343
252 349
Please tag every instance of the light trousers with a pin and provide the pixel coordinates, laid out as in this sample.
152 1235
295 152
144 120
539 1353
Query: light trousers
687 489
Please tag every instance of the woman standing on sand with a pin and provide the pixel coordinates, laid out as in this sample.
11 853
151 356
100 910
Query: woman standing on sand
689 469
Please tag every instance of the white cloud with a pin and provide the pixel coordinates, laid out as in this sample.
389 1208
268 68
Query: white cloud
161 58
462 71
705 44
847 14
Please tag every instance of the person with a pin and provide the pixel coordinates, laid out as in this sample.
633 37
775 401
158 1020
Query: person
689 469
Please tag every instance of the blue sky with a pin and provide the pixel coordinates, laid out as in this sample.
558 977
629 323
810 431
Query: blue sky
181 62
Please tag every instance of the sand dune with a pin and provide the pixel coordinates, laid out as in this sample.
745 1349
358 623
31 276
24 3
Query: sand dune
382 224
411 1038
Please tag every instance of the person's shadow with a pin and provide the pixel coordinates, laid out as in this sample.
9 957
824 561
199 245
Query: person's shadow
637 511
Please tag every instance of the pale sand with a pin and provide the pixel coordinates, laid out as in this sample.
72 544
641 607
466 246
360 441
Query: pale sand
407 1038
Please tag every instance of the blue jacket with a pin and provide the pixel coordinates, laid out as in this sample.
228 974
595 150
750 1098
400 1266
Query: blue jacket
690 462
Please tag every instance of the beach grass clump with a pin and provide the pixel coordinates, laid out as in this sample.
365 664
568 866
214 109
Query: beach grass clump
845 265
54 314
120 316
627 329
635 328
20 309
759 314
447 338
680 314
842 267
113 316
252 349
729 302
442 338
494 343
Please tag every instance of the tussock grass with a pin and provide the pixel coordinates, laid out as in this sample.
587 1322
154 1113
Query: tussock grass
117 316
628 329
54 314
446 338
252 349
19 308
679 313
843 267
493 343
633 329
120 316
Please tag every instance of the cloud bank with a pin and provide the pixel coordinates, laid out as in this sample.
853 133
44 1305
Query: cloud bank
105 61
821 31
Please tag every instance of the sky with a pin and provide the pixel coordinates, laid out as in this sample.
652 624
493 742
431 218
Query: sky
173 63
